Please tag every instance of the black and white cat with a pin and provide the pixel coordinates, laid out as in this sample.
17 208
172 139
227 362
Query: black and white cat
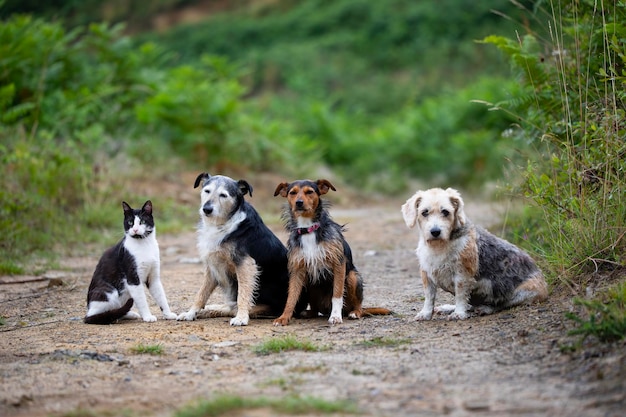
124 269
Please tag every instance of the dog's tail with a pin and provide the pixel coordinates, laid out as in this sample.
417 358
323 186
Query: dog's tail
108 317
376 311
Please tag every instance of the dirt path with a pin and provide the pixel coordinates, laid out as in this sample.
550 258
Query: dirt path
506 364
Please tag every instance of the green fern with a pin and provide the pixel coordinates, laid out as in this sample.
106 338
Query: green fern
605 320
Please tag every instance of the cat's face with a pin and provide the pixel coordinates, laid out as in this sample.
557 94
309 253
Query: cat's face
138 224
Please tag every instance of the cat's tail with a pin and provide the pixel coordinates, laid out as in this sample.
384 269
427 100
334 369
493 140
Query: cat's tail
108 317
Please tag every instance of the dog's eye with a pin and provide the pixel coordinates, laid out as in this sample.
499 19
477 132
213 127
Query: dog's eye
308 192
293 192
207 191
425 213
445 213
223 195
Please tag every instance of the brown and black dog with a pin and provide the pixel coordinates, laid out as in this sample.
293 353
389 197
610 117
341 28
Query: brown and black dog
319 258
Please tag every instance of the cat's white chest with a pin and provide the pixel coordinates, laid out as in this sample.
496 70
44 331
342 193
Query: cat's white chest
145 252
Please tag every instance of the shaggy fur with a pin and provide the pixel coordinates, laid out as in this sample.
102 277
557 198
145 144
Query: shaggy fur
320 259
483 272
240 254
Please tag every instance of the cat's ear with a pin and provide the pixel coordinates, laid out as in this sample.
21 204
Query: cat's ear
126 207
147 207
204 176
244 187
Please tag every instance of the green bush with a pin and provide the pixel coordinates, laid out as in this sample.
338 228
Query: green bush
358 55
447 138
604 319
84 113
63 97
574 113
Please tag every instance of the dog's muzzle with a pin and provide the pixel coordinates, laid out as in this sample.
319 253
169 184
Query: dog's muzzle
299 205
207 209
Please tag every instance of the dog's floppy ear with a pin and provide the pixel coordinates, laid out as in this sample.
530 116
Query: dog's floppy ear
244 187
459 211
324 186
282 189
409 209
200 178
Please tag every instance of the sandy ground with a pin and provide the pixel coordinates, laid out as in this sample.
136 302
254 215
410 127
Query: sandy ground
510 363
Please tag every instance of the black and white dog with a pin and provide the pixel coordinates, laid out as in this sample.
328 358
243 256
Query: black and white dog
240 254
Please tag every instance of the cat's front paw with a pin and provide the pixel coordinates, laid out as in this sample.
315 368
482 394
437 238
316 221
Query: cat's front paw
149 318
131 315
188 316
170 316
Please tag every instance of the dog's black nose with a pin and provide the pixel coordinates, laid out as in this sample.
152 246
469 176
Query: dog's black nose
435 232
299 204
207 210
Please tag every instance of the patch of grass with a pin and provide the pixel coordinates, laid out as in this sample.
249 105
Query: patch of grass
384 342
147 349
282 383
308 369
292 405
3 321
286 343
82 412
606 318
8 267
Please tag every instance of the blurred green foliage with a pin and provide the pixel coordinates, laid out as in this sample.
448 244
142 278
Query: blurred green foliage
371 89
358 54
383 90
72 106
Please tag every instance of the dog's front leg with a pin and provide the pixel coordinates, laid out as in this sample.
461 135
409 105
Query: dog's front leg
297 278
247 279
339 272
462 289
203 295
430 291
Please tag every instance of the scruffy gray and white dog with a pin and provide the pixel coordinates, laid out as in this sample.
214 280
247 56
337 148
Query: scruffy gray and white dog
483 272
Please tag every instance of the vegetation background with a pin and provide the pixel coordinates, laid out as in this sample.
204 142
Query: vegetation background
97 94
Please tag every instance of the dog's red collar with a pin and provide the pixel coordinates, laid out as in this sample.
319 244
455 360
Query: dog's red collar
307 230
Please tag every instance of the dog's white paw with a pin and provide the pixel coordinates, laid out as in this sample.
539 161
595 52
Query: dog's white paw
445 309
239 321
170 316
335 320
188 316
458 315
424 315
149 318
